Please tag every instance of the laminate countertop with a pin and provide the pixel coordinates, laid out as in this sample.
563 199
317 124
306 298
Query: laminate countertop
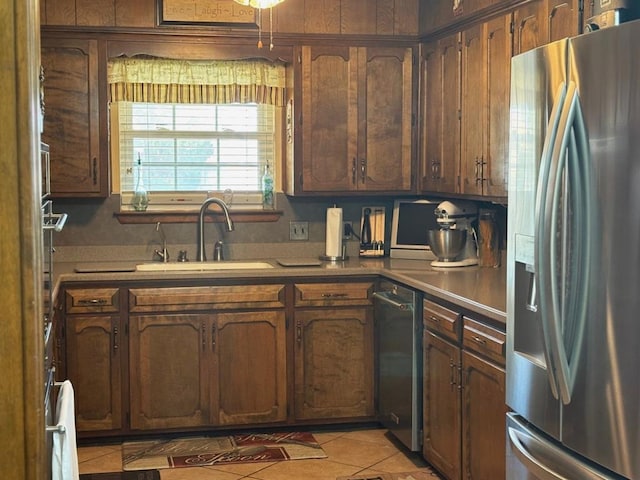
476 289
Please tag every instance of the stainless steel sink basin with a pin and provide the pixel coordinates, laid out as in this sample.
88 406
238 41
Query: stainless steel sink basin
201 266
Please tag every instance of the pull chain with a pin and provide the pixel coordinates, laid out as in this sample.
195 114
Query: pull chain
270 28
260 28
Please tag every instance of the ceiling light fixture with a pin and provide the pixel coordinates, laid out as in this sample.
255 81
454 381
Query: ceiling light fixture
260 5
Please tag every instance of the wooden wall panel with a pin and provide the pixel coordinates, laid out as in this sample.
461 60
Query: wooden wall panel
138 13
333 17
95 13
358 17
405 17
288 17
384 17
322 16
59 12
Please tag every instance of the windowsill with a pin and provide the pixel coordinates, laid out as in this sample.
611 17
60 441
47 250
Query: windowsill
239 216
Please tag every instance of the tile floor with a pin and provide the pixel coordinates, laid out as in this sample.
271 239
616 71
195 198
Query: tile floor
354 452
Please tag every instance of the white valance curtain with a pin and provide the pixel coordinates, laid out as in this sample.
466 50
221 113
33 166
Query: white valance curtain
158 80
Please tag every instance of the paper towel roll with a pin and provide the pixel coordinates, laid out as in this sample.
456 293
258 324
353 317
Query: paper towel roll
334 232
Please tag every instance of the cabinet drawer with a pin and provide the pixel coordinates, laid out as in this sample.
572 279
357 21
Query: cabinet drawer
483 339
92 300
206 298
442 320
327 294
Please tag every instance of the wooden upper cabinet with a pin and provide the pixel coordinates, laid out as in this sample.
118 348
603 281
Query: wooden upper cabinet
486 62
440 112
385 119
564 19
355 131
72 118
538 23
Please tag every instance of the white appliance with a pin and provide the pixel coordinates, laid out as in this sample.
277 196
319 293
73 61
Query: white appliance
453 216
573 266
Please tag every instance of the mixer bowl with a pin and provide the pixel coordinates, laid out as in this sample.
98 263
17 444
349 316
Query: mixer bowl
446 244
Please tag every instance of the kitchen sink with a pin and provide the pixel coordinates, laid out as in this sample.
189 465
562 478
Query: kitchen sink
201 266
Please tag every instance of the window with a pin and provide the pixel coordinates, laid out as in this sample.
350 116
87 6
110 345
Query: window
197 128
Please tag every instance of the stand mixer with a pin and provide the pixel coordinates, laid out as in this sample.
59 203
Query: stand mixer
455 242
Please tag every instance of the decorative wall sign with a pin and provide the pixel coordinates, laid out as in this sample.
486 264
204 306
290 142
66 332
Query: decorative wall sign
207 12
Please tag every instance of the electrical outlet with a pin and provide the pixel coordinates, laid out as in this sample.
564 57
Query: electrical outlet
347 230
298 230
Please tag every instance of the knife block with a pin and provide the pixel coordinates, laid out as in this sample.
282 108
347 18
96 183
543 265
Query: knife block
372 228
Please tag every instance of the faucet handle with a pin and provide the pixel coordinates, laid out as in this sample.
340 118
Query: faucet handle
182 256
217 251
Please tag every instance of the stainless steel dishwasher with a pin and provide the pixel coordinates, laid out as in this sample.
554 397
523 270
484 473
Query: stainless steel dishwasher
399 343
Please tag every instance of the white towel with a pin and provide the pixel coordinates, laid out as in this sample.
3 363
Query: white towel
64 461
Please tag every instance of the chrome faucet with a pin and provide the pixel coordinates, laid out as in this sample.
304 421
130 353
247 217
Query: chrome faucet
164 253
200 255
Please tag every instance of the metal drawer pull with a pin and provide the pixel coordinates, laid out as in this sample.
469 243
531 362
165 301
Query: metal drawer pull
481 341
334 295
435 319
93 301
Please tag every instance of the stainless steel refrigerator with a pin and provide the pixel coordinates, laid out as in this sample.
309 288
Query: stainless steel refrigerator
573 273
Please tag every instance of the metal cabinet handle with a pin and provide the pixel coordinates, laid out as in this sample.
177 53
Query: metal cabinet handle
480 340
203 329
353 171
299 331
213 338
363 169
115 339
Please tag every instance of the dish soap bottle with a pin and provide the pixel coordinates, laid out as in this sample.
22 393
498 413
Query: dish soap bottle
140 199
267 189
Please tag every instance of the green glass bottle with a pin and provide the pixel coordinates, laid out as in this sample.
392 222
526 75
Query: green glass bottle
268 201
140 200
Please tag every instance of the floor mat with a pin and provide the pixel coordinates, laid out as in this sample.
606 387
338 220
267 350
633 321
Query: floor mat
138 475
207 451
427 474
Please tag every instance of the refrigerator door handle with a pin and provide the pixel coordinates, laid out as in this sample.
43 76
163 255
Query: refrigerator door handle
541 239
545 460
570 184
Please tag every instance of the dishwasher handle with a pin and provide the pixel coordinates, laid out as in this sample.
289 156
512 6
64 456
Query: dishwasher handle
387 298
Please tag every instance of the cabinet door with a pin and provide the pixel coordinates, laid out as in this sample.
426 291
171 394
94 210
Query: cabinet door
93 366
169 369
528 27
474 99
442 117
483 417
486 61
495 161
441 403
250 379
72 119
334 363
563 19
329 130
385 119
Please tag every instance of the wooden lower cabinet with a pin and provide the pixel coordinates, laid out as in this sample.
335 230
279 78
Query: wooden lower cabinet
483 419
169 370
442 402
93 365
191 370
464 398
251 367
334 363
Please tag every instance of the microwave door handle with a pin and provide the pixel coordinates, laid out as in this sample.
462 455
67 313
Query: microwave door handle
542 239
